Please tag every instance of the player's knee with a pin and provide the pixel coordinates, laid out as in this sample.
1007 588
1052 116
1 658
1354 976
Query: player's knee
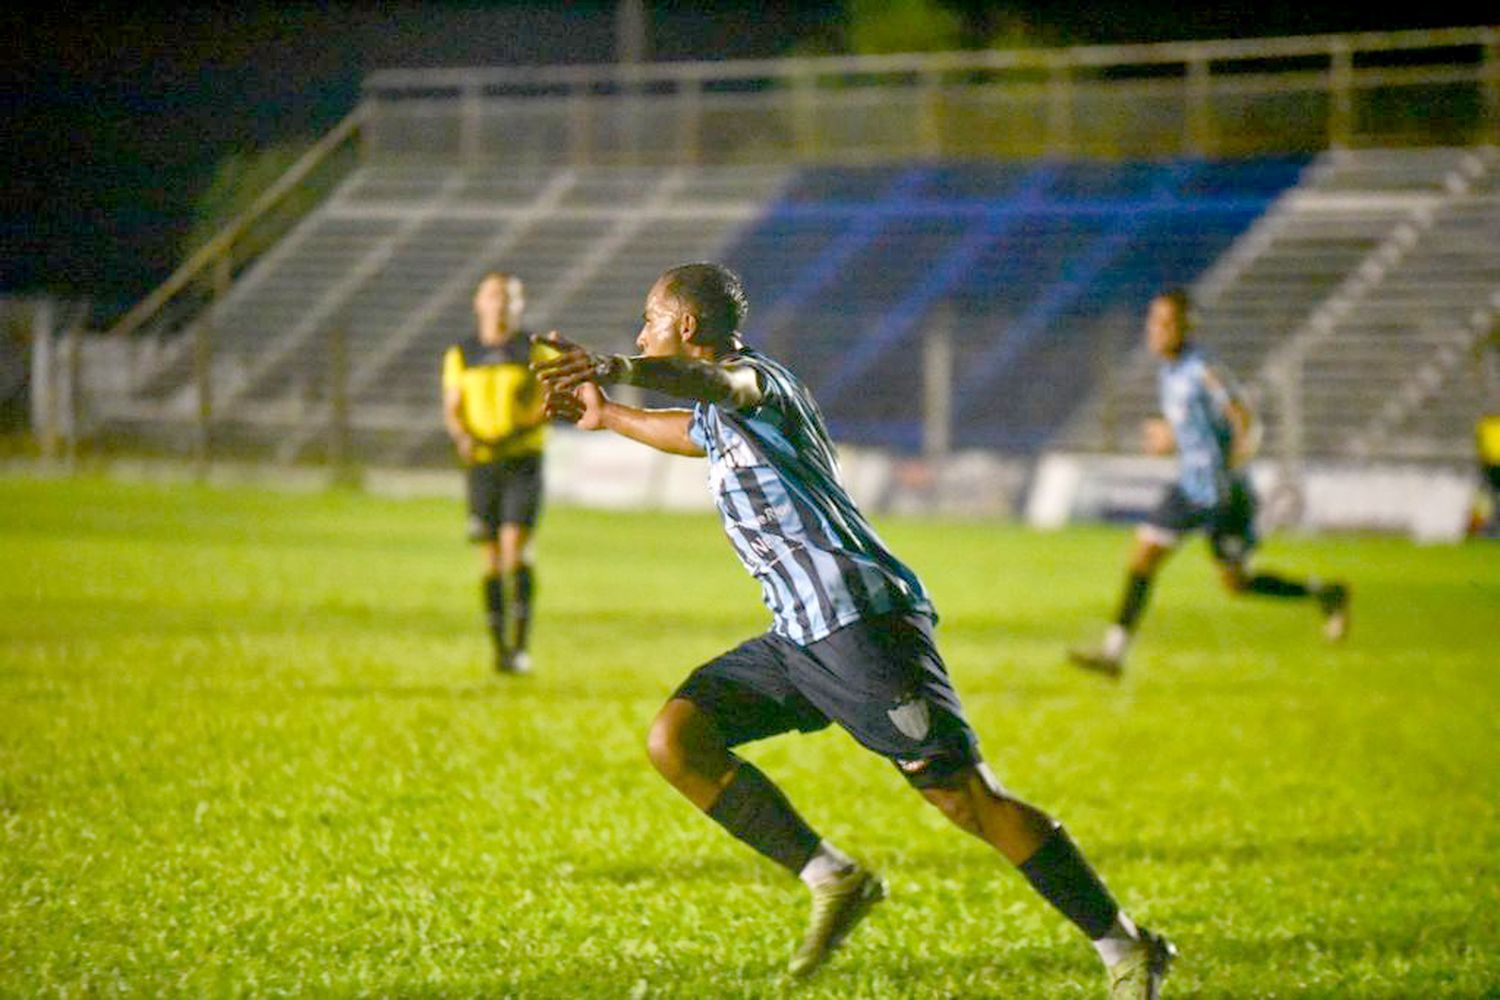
1145 559
1233 578
489 557
957 804
666 748
965 793
681 743
511 551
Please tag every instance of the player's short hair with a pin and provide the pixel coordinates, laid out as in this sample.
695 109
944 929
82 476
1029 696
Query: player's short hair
1182 302
511 282
713 293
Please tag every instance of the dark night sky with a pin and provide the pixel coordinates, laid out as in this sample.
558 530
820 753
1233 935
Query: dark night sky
114 116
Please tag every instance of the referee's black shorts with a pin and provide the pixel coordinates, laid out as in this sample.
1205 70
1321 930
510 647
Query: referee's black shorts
881 679
504 492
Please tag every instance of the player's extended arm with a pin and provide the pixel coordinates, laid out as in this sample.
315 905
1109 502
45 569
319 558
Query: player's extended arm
1157 437
685 378
1246 433
664 430
1243 428
588 408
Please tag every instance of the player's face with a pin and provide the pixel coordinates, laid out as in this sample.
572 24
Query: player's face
661 329
1164 328
498 302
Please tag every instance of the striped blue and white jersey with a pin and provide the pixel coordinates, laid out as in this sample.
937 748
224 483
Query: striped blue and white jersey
1195 400
775 480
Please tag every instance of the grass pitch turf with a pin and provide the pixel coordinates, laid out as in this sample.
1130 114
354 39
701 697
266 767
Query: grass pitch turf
249 745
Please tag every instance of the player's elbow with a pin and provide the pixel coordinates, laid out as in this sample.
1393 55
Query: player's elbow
741 388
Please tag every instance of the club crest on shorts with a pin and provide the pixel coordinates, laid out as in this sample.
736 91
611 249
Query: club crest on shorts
912 717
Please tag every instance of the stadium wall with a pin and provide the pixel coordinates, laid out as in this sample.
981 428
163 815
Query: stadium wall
1424 503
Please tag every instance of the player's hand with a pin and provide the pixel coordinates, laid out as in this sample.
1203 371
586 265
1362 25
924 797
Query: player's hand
571 367
1156 437
583 407
464 445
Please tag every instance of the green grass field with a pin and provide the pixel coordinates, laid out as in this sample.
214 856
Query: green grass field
249 745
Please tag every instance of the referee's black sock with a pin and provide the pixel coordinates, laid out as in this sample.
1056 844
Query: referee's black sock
1271 585
522 584
1133 601
494 608
757 813
1061 874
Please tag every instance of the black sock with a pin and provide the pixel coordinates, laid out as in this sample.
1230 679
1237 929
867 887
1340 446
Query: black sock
1270 585
494 610
522 589
756 812
1133 601
1061 874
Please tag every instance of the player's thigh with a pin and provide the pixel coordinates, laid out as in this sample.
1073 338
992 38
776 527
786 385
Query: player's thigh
748 692
1161 530
1232 536
884 681
520 499
483 489
514 540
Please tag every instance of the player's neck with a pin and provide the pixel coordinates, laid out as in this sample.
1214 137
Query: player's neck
494 336
711 353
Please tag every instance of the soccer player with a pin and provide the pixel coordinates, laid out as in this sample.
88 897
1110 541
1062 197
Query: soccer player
851 639
493 411
1213 432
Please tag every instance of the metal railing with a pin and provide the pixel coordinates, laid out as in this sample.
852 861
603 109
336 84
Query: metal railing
1234 97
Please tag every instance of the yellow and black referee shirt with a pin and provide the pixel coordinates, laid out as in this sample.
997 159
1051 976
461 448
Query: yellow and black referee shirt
502 400
1487 437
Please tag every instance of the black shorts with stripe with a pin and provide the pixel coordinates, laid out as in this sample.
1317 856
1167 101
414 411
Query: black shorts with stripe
1229 525
504 492
881 679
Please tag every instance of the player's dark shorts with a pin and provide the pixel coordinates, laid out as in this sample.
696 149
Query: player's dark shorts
507 492
1230 525
881 679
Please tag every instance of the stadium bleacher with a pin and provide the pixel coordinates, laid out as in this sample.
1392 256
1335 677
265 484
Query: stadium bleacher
1350 309
1038 271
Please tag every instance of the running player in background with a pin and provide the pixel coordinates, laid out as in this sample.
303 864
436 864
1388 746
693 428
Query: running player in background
851 639
493 412
1213 433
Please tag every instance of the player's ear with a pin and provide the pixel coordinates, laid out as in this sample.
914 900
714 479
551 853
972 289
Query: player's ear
687 326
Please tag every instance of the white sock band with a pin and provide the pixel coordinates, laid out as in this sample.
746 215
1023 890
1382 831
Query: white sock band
1116 641
826 862
1119 941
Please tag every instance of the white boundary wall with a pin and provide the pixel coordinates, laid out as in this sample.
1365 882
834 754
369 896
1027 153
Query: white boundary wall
1425 503
608 472
602 470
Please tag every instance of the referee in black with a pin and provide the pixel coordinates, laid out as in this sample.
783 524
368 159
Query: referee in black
493 411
